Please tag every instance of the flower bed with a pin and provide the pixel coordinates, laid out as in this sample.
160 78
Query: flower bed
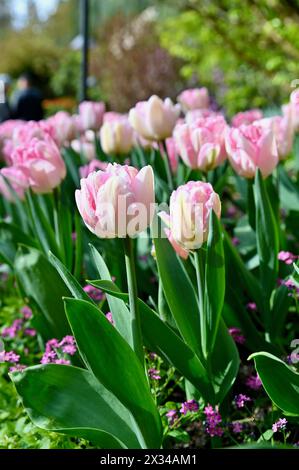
150 278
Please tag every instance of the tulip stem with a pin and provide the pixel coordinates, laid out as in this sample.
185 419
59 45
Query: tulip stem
167 167
133 299
200 277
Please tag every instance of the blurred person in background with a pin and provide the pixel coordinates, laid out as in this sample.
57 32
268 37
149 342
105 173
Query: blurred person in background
5 111
27 100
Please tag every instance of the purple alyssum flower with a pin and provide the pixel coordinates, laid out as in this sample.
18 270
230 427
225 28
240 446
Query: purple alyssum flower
279 425
237 336
213 420
253 382
240 400
154 374
189 405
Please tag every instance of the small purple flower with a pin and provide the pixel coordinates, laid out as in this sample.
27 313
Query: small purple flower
237 336
190 405
110 318
251 306
287 257
96 294
172 416
279 425
49 357
69 349
154 374
153 356
12 330
240 400
26 312
235 241
213 420
231 211
17 368
237 427
9 356
30 332
253 382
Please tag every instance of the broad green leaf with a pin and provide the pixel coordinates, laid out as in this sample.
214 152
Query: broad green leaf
70 400
281 303
179 293
237 275
41 225
115 365
120 312
224 362
267 237
41 283
10 237
288 191
279 380
70 281
214 280
158 337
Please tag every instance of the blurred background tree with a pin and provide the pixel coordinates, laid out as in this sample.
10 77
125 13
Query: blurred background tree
245 51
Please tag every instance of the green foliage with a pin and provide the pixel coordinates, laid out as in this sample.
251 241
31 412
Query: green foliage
245 51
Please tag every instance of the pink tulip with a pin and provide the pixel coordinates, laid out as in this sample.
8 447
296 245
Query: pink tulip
293 108
195 114
64 126
117 136
42 164
17 180
246 117
91 115
154 119
32 129
187 224
194 98
282 127
85 148
113 116
173 154
251 147
92 166
117 202
201 144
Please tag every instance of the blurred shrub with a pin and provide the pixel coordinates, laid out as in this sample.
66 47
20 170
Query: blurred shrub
130 63
246 52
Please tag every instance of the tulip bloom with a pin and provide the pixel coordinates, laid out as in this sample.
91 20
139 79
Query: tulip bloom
154 119
84 147
246 117
201 144
187 224
251 147
64 126
41 163
117 202
18 181
283 129
194 98
117 136
91 115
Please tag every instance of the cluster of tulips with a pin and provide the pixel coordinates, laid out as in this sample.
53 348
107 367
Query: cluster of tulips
149 183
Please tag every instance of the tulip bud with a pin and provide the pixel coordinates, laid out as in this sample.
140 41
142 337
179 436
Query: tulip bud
154 119
194 98
187 224
201 144
251 147
117 136
91 115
